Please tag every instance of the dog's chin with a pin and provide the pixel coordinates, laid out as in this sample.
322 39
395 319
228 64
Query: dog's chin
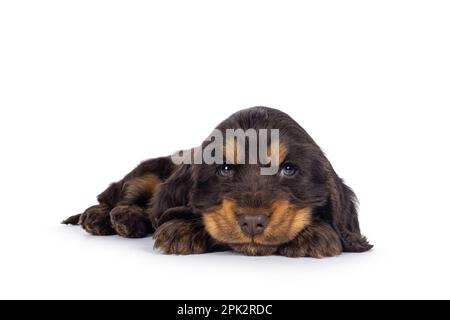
252 249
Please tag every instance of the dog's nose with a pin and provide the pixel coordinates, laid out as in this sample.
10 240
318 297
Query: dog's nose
253 224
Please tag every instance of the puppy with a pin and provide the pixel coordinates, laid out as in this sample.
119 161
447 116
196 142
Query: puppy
302 208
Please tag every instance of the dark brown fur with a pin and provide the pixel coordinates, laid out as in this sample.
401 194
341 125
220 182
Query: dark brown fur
194 210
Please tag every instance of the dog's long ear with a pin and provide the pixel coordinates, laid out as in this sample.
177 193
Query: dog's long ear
171 199
344 214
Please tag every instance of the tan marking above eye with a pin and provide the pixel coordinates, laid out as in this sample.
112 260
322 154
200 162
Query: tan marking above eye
283 152
233 154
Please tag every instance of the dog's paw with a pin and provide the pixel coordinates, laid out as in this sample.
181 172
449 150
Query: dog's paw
130 221
316 241
181 237
96 221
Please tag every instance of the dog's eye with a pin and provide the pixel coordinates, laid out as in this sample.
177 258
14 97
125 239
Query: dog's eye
288 170
225 170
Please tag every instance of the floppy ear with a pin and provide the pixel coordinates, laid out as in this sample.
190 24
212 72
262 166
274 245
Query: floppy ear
171 199
344 215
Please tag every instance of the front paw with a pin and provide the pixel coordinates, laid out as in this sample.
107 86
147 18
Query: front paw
130 221
181 237
96 221
316 241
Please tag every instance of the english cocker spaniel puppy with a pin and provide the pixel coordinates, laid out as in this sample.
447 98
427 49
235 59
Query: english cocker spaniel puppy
297 207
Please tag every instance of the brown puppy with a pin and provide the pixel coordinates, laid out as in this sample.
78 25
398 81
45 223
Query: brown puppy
304 209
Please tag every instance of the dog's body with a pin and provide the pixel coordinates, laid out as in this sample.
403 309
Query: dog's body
303 210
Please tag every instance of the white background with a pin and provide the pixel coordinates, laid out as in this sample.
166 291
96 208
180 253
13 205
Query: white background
88 89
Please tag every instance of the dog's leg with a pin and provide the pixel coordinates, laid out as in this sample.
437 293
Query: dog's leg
127 199
95 220
130 221
184 237
318 240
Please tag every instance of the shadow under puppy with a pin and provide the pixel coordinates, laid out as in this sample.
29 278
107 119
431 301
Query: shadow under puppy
304 209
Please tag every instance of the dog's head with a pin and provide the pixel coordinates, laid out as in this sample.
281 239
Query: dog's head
255 213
